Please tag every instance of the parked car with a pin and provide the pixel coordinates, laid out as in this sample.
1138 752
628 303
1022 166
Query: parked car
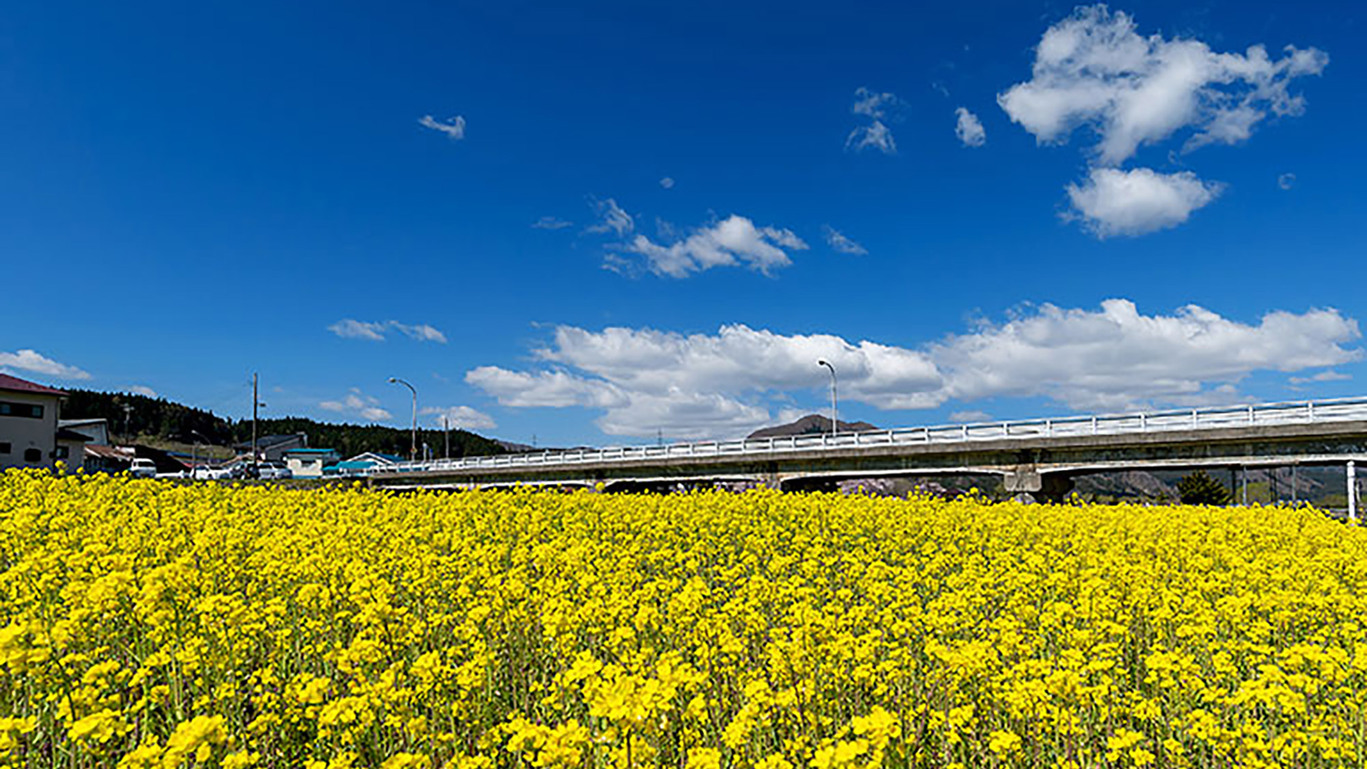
273 471
142 467
217 473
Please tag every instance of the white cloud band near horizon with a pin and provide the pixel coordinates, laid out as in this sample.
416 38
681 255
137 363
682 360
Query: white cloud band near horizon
358 404
459 417
730 382
33 362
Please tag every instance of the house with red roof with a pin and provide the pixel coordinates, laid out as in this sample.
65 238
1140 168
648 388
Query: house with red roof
29 433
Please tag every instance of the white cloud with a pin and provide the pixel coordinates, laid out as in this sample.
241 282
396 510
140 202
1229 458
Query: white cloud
733 241
727 383
358 404
31 361
143 390
1093 69
836 240
551 223
1323 376
460 417
700 385
667 183
1286 181
545 389
1112 202
876 134
453 127
971 415
612 218
375 331
1117 358
969 128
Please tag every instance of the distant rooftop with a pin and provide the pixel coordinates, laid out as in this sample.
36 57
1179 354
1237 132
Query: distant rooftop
15 384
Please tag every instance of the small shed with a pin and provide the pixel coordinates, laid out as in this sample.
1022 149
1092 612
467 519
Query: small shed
309 463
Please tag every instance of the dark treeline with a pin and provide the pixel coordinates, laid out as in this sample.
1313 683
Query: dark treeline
350 440
132 415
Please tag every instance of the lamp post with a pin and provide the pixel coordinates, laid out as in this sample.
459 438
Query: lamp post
195 437
834 419
413 447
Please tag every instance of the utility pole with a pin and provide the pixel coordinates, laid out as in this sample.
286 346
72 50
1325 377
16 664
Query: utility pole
255 403
195 437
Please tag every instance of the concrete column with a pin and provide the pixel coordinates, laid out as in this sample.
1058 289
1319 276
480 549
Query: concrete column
1027 484
1352 492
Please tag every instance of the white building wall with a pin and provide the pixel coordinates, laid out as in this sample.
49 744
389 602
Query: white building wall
26 435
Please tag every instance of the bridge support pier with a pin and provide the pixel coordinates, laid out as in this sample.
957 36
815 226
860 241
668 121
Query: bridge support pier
1028 485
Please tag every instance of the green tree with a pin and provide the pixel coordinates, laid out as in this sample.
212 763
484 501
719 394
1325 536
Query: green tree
1199 488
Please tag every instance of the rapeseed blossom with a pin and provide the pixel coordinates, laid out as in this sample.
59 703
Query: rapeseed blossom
154 625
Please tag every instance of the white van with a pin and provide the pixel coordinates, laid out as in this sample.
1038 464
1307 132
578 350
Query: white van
142 467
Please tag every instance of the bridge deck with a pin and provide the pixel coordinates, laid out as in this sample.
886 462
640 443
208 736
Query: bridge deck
1310 430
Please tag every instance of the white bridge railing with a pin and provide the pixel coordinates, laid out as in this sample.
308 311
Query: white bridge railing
1301 412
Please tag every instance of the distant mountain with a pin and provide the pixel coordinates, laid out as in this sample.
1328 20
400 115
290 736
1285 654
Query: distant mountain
812 424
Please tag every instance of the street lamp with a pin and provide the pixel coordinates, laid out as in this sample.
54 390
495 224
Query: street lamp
834 421
413 448
195 437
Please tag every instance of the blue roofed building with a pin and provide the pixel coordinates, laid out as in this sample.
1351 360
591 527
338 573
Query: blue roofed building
356 466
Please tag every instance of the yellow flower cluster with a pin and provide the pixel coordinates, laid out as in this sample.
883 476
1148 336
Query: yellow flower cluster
147 624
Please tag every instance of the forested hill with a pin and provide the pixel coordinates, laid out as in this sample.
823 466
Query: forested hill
139 415
350 440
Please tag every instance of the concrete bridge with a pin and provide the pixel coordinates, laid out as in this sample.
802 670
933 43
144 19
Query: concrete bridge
1035 457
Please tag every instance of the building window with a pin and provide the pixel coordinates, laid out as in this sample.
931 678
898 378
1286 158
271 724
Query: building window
33 456
31 410
4 447
62 452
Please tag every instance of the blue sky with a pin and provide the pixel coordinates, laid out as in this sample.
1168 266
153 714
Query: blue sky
601 224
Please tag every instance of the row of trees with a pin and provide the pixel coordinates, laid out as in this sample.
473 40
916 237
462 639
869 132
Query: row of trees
131 415
350 440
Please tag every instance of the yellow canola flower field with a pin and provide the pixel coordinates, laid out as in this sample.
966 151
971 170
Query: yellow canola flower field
148 624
